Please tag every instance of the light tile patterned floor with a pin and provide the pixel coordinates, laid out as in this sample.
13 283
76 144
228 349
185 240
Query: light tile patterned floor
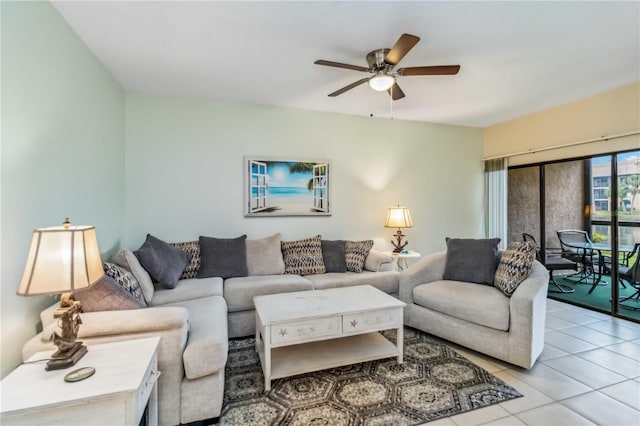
588 374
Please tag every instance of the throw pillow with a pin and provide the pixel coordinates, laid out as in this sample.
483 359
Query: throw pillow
106 295
129 261
163 262
303 257
223 257
333 253
515 266
355 253
126 280
192 248
264 256
471 260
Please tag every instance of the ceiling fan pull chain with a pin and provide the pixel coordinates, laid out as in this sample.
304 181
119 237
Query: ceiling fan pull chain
391 102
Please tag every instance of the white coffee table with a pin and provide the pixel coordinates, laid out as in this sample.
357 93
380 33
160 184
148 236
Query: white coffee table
314 330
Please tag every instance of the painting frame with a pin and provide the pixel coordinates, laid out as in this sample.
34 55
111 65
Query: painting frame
286 186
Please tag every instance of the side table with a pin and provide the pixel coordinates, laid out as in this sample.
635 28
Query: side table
123 385
401 258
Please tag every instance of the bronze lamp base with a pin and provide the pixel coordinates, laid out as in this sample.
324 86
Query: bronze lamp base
399 245
61 360
69 350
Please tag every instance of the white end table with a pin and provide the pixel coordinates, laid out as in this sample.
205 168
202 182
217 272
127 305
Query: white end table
117 394
401 258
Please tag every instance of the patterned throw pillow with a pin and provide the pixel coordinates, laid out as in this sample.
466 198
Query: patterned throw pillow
192 248
355 253
515 266
125 279
303 257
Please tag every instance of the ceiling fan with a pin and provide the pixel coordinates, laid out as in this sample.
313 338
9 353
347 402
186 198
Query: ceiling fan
381 63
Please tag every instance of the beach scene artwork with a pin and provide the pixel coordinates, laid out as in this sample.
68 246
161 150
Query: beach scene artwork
286 187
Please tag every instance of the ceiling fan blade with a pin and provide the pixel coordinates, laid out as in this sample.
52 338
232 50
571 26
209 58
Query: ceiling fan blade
340 65
396 92
349 87
437 70
404 44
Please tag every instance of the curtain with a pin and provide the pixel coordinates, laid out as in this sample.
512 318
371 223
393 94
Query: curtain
495 182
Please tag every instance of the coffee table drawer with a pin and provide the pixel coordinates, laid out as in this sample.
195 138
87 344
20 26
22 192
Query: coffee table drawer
307 330
371 321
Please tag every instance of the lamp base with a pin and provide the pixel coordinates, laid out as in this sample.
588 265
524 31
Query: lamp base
398 244
65 359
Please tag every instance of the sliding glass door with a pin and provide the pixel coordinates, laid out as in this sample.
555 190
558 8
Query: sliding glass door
598 197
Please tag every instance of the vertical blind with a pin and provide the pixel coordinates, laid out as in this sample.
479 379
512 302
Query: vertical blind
495 182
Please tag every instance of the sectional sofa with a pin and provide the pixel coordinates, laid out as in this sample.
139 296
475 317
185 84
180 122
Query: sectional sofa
197 316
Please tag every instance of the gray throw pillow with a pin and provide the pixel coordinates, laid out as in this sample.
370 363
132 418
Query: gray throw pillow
163 262
333 254
471 260
223 257
264 256
106 295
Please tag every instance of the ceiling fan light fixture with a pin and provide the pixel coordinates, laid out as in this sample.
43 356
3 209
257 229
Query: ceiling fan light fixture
381 81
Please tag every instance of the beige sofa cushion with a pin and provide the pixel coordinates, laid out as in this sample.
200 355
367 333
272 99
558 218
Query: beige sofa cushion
239 292
264 256
479 304
385 281
192 289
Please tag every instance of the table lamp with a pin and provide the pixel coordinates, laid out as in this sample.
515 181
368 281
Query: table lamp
63 259
398 217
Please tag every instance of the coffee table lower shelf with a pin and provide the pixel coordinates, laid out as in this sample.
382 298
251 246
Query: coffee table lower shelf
306 357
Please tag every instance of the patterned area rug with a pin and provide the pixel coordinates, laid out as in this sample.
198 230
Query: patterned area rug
434 382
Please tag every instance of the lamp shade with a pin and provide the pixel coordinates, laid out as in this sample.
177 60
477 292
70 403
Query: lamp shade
61 259
398 217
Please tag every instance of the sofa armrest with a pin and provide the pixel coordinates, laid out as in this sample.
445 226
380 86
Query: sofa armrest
378 261
429 268
117 325
527 310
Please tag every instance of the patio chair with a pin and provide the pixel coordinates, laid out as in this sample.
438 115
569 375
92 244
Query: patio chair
631 274
573 244
553 261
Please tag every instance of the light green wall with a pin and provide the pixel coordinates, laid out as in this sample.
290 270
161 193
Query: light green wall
62 151
184 172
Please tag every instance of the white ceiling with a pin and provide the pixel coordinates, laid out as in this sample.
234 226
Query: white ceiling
516 57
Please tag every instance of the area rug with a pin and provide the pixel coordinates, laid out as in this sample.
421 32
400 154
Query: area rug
434 382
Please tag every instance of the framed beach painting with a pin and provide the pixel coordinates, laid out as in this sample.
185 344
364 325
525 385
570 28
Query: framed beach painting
286 186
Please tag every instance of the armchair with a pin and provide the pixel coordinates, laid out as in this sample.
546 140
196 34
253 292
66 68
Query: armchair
477 316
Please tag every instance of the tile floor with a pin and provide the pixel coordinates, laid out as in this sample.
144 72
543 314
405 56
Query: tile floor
588 374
